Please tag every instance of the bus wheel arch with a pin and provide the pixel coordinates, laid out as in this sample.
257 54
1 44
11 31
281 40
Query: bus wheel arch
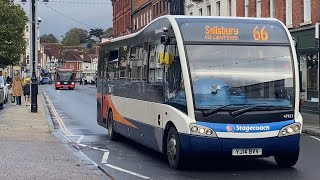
172 146
110 126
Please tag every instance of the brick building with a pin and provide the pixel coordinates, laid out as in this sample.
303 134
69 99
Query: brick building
121 17
300 16
144 11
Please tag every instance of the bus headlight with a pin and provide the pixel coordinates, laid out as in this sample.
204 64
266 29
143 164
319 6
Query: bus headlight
201 130
72 83
290 130
58 83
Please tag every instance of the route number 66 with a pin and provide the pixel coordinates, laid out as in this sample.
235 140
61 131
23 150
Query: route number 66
260 35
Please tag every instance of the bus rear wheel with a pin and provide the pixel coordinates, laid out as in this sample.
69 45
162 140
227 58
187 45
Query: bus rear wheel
174 150
287 160
110 126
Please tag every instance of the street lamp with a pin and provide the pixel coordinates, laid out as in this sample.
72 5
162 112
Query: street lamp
34 83
317 37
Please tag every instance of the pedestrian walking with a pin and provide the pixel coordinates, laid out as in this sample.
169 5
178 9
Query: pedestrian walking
80 81
17 88
26 91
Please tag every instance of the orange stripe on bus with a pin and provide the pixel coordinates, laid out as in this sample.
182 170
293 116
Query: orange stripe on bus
117 116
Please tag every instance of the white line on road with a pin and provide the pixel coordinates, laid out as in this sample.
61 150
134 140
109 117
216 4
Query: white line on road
126 171
105 158
80 139
315 138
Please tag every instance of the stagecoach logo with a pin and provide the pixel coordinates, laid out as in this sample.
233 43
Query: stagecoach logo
230 128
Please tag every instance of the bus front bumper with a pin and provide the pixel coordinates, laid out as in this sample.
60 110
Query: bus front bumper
193 145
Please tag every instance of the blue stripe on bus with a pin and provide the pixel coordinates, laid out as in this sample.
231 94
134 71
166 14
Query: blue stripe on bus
246 128
199 145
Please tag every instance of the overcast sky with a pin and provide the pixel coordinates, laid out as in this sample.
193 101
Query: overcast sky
57 17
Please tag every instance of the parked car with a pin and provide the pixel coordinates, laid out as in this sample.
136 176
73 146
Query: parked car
45 80
5 86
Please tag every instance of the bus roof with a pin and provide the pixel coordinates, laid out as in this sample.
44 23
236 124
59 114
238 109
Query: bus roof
244 21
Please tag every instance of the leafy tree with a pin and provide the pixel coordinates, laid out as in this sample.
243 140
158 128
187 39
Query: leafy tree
75 37
96 33
108 32
12 44
48 38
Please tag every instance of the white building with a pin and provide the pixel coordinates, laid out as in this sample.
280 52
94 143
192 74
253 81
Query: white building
26 60
210 7
89 67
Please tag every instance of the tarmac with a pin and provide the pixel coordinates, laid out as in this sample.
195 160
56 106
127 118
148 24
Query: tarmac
29 150
311 124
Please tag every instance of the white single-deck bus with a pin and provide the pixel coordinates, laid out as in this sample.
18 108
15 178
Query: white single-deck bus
188 86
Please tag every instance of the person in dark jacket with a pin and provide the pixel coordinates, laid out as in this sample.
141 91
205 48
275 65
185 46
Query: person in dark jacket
26 92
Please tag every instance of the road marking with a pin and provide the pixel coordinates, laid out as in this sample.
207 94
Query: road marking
315 138
80 139
58 118
105 158
127 171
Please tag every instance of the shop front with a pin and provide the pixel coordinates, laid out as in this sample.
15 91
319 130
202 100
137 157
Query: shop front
308 57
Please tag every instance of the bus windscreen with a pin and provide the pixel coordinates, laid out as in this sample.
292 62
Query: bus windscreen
65 76
208 30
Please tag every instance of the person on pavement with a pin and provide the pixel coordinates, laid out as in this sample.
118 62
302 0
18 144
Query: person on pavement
26 91
17 88
80 81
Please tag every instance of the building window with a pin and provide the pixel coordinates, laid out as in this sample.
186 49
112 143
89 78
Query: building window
28 60
160 7
191 13
307 10
288 12
137 20
209 10
229 7
27 28
200 12
246 8
218 8
258 5
272 9
154 10
134 24
141 21
157 9
164 6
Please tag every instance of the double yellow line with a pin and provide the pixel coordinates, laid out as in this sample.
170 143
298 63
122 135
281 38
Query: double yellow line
63 127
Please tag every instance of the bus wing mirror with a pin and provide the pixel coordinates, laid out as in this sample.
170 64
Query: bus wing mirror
163 39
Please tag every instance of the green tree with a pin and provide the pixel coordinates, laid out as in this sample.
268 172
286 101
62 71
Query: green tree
96 33
48 38
12 44
108 32
75 37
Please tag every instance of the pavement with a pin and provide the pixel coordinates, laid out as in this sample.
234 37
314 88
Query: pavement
30 151
311 124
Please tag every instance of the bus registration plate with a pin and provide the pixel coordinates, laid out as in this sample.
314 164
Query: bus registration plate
247 152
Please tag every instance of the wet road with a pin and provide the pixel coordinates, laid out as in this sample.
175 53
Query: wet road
125 159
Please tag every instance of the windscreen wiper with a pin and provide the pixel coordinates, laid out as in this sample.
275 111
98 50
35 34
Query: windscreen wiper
243 110
210 112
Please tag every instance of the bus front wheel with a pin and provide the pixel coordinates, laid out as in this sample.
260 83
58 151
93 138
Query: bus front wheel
287 160
110 126
174 150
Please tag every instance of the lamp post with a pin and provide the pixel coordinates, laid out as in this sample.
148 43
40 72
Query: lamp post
33 52
317 36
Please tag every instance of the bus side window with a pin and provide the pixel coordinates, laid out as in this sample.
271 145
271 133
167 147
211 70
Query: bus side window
155 74
174 86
